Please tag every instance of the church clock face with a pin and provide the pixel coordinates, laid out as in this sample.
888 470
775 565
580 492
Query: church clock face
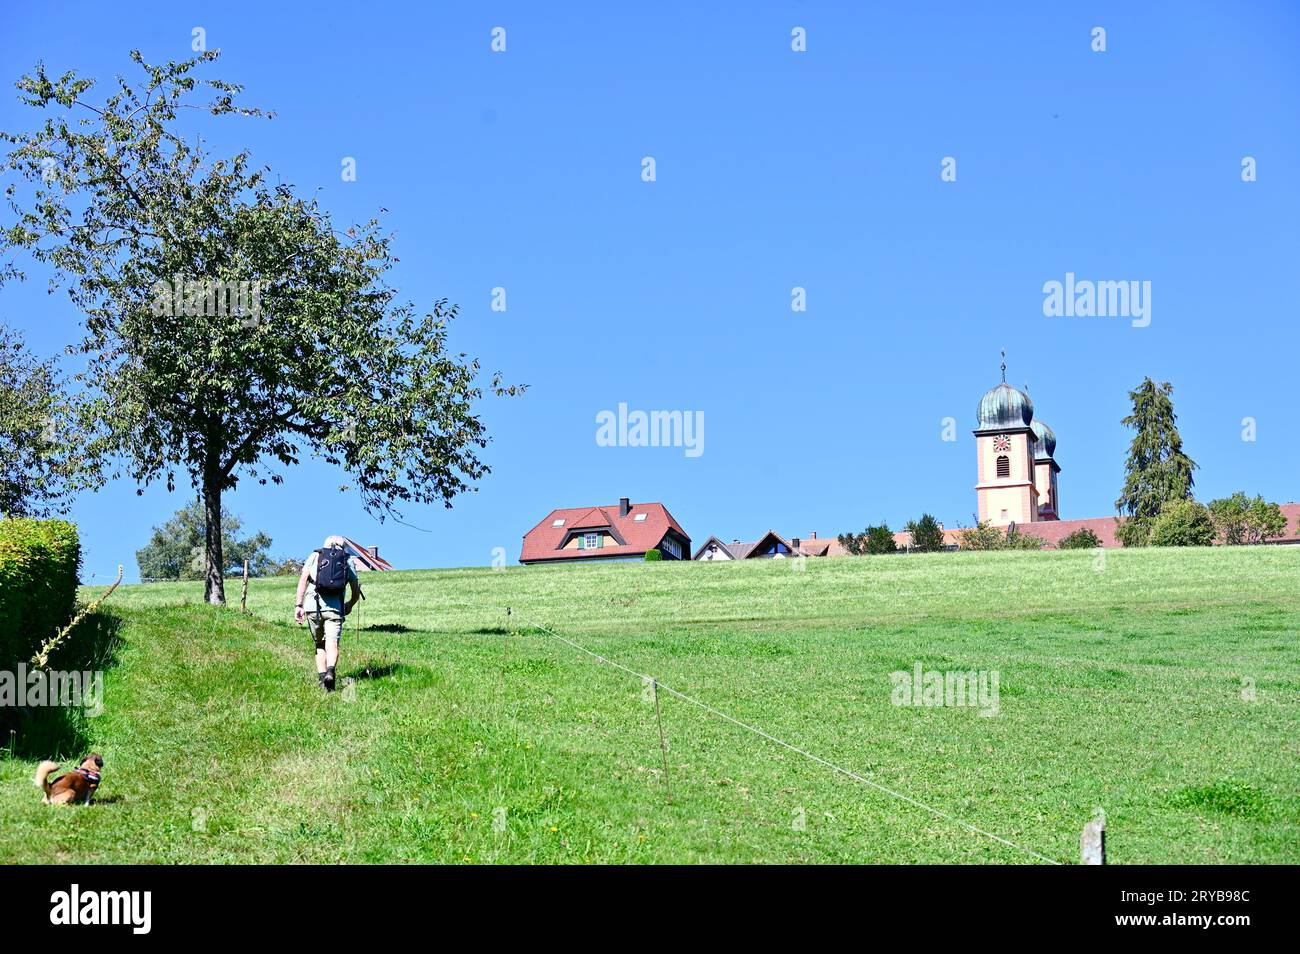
1002 443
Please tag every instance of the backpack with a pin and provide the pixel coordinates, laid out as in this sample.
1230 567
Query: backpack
331 571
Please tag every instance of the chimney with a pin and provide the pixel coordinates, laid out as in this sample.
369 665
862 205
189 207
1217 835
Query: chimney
812 535
735 541
623 506
374 552
794 544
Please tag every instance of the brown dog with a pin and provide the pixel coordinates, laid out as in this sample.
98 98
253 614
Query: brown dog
77 786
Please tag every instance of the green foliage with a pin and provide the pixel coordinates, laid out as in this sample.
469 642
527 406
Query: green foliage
982 536
1081 539
41 463
1156 471
285 567
652 555
1134 531
149 231
985 536
873 540
927 535
39 561
1246 520
176 550
1018 539
1182 523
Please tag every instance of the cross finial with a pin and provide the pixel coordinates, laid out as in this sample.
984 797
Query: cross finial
1004 365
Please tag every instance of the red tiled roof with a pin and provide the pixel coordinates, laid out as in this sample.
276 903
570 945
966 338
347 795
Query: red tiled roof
368 560
543 541
1052 532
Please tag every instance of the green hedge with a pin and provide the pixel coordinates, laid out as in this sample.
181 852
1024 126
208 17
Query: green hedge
39 560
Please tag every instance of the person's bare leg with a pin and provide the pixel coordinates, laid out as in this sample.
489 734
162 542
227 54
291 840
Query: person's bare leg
331 659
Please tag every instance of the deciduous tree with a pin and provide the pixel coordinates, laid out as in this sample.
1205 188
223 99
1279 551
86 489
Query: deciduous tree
229 327
42 457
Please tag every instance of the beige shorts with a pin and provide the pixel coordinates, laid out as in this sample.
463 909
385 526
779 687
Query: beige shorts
327 624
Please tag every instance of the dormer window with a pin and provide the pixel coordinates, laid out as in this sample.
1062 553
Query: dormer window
591 541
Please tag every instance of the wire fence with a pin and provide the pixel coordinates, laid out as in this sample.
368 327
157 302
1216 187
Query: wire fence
647 679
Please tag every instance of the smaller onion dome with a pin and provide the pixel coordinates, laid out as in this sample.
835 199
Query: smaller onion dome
1044 440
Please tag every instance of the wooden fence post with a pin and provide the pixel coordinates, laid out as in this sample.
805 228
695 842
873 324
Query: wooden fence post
243 600
1092 843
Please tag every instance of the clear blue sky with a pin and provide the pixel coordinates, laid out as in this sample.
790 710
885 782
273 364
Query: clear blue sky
775 169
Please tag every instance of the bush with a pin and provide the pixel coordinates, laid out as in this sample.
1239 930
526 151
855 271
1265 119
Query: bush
985 536
1081 539
39 562
1246 520
652 555
878 539
982 536
927 535
1017 539
1182 523
1133 531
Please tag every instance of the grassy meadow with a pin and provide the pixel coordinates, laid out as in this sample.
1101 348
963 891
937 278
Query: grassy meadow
470 736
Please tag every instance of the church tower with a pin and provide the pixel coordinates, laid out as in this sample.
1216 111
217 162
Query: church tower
1004 445
1045 470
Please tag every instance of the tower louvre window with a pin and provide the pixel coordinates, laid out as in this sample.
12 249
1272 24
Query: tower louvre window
1004 465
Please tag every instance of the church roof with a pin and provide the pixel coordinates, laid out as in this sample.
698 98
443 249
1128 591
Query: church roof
1004 407
1044 441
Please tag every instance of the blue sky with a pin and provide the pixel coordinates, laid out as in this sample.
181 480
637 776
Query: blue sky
775 169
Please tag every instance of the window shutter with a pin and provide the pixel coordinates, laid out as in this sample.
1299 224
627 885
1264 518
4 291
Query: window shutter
582 543
600 540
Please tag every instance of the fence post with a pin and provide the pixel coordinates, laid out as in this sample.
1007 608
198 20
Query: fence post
243 600
1092 843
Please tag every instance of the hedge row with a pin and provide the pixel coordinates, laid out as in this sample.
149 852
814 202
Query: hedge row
39 561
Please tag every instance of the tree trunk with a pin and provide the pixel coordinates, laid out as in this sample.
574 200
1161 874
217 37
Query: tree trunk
214 584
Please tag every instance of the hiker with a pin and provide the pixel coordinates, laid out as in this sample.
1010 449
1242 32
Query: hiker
326 573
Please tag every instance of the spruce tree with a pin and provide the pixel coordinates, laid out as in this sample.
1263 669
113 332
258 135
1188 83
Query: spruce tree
1157 471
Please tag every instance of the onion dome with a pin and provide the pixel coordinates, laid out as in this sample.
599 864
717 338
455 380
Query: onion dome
1044 441
1005 408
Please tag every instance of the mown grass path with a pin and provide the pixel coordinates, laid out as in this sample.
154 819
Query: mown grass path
470 736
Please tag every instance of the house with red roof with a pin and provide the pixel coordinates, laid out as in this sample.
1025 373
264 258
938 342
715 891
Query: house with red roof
624 531
365 558
770 546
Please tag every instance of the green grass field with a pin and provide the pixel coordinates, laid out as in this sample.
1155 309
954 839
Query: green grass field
473 737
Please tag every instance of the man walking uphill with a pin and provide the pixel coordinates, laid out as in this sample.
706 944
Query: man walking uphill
326 573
